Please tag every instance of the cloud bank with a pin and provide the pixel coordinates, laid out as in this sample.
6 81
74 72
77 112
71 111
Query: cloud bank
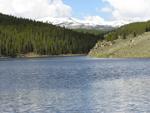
129 9
122 11
35 8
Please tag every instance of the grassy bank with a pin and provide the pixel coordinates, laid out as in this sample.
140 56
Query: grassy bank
132 47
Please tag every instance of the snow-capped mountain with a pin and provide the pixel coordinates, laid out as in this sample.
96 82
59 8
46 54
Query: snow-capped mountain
74 23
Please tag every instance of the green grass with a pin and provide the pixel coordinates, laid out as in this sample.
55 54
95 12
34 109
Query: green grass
137 47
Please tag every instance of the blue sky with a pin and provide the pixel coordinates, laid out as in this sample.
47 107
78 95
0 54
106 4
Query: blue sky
82 8
86 10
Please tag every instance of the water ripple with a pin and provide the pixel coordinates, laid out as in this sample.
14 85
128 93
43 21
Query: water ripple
75 85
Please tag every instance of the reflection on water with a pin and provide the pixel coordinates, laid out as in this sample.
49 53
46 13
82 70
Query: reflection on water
75 85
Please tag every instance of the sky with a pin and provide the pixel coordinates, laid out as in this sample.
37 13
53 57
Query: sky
103 11
82 8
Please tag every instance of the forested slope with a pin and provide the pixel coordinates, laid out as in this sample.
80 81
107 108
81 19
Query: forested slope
94 31
133 29
21 36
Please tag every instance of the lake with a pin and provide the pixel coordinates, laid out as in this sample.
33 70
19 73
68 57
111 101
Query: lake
74 85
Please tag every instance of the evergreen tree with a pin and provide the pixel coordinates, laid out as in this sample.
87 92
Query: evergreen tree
21 36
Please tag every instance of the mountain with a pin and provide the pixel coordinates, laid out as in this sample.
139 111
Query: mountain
128 41
20 37
73 23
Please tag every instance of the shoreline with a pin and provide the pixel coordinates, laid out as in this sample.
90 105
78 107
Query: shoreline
72 55
119 57
32 56
43 56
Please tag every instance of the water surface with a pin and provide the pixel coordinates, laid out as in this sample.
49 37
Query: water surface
74 85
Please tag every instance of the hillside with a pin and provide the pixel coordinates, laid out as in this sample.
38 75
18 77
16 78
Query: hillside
128 41
132 47
20 36
94 31
133 29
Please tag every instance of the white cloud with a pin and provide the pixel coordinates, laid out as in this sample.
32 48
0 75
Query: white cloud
136 10
97 20
35 8
94 19
123 11
106 9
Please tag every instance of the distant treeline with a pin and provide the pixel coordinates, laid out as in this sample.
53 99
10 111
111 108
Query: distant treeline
21 36
99 32
133 29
